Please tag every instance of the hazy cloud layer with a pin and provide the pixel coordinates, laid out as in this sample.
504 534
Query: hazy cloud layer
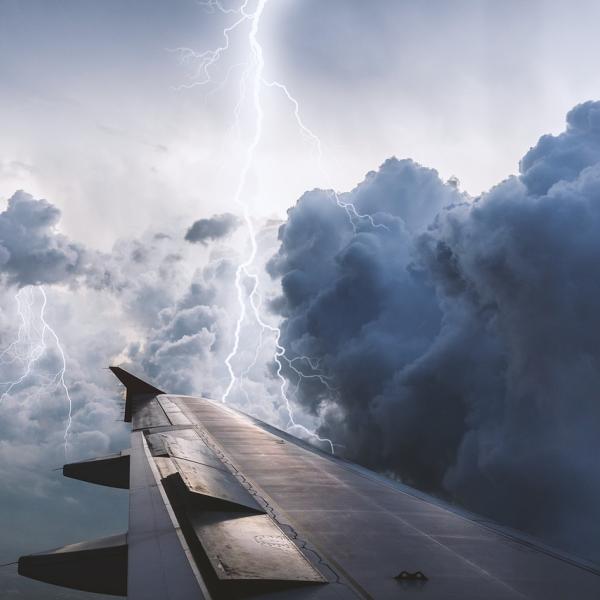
464 354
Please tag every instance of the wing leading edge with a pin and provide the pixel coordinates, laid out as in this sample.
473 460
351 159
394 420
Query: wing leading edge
225 506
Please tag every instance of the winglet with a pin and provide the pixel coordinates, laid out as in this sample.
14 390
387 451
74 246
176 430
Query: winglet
135 387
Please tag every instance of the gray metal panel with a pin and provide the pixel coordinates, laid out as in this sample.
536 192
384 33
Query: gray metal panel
193 450
251 548
158 566
165 467
149 413
214 483
157 444
366 529
178 418
173 412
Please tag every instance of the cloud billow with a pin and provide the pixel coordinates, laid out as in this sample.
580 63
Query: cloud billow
214 228
31 251
352 300
462 340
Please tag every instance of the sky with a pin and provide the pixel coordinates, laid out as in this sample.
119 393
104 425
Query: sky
120 163
93 116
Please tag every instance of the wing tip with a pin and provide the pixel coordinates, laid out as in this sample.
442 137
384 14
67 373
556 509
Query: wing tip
134 386
132 383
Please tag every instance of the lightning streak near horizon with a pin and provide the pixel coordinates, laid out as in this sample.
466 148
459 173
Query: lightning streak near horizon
252 82
31 345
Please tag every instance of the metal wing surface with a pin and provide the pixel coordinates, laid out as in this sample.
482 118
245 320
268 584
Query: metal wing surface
224 506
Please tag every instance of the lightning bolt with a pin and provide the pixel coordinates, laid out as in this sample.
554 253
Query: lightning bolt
348 207
31 344
253 81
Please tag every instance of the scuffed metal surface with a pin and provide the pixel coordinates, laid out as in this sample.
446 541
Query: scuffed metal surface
362 530
215 484
194 450
251 548
148 413
173 412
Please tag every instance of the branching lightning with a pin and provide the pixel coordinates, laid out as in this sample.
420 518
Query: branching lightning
31 345
252 82
348 207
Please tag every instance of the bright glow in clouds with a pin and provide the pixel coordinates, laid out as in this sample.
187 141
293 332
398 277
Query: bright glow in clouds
253 77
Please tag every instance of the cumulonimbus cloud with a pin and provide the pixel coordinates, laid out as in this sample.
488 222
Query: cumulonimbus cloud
31 251
462 341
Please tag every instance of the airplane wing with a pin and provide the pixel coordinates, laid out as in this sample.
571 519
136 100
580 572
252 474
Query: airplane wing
223 506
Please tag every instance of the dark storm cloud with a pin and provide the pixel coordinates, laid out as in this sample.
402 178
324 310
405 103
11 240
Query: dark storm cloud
517 271
214 228
464 353
352 299
562 158
31 251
